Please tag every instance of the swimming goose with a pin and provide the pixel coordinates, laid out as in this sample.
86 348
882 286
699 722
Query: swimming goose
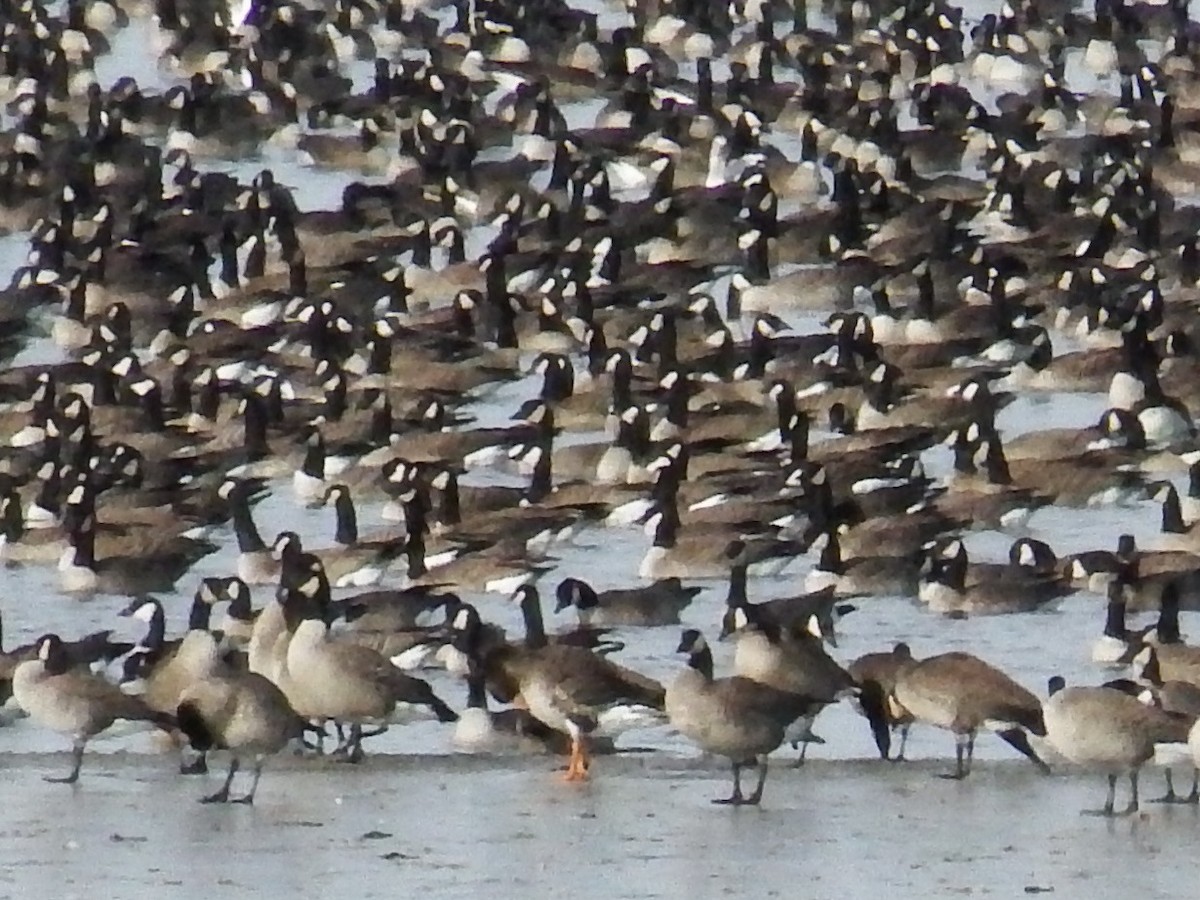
1107 730
861 575
658 603
962 693
1114 646
569 689
136 565
75 703
735 717
1014 588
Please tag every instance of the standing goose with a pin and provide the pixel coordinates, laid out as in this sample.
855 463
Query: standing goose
81 655
882 670
165 672
76 703
1178 699
795 661
346 683
962 693
1107 730
569 689
736 717
514 730
241 712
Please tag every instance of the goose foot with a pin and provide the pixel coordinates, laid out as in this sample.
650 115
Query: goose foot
196 767
732 800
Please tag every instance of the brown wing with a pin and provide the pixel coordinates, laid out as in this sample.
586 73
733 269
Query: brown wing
591 681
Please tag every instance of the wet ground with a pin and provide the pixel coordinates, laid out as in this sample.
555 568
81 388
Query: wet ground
461 827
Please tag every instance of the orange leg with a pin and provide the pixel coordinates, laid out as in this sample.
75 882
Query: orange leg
577 765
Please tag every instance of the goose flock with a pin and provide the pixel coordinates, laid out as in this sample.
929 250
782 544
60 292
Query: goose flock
761 281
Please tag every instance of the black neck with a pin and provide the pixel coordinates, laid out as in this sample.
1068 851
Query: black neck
701 660
347 520
1172 513
737 586
1114 622
248 538
1168 619
201 613
535 628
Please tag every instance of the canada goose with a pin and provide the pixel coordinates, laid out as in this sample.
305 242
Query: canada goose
513 730
1016 588
346 683
1178 699
241 712
1175 533
658 603
786 613
75 703
962 693
133 568
81 654
1105 729
237 624
1114 646
355 562
882 670
795 660
255 564
569 689
163 673
861 575
735 717
697 553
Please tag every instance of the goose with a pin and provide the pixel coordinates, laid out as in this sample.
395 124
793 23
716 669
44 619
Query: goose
1017 588
136 565
1113 646
507 731
793 612
567 688
75 703
658 603
1106 730
241 712
255 564
1178 699
962 693
1175 533
735 717
882 670
861 575
697 554
795 660
163 673
347 683
82 654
